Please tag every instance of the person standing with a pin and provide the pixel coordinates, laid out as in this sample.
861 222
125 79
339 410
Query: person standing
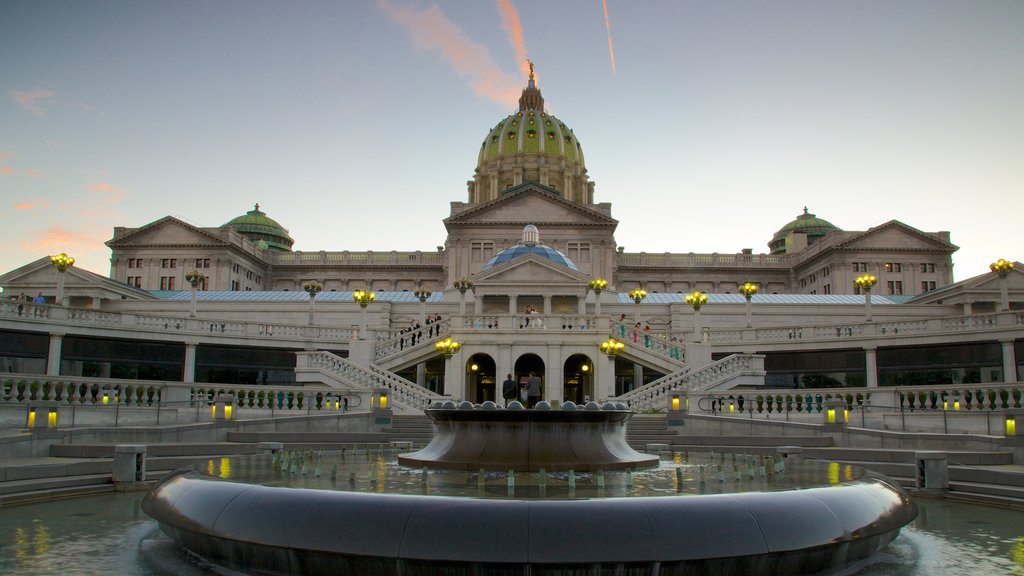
533 390
509 390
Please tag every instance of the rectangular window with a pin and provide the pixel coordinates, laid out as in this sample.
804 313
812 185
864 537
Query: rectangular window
234 285
578 251
826 289
131 263
927 285
927 268
202 262
860 266
893 267
167 282
895 287
481 251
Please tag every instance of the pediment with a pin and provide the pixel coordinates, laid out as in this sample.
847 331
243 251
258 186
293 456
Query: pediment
41 276
530 270
530 204
895 235
168 231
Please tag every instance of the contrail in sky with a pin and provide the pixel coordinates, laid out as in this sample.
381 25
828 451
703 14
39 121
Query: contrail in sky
510 22
608 27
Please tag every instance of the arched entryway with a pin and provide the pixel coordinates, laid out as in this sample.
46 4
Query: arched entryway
530 363
480 378
578 379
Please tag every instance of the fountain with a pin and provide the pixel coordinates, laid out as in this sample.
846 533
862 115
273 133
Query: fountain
541 491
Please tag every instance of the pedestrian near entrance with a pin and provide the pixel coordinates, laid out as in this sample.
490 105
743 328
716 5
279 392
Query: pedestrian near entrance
533 390
509 390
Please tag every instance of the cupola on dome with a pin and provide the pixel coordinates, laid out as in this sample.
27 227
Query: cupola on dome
262 229
530 245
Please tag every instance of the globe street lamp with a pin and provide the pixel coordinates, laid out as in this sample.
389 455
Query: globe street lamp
748 289
866 282
194 278
1002 267
637 295
597 285
312 288
448 348
611 347
462 285
61 262
423 295
696 299
363 298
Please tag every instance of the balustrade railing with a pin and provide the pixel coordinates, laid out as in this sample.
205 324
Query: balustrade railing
401 391
391 342
656 394
657 344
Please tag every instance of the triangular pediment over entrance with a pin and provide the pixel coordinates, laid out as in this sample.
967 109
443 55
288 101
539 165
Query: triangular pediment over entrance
895 235
529 204
530 270
168 231
81 286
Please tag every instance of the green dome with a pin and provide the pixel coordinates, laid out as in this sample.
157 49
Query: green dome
531 132
530 146
805 223
262 229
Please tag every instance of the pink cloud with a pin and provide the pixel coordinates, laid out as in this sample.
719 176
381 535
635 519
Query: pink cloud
29 205
7 155
7 170
108 193
510 22
432 30
33 100
57 238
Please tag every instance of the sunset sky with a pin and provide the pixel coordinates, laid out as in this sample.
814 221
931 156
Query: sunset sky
707 124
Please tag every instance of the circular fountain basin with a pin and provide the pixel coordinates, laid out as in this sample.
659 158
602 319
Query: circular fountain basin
813 516
580 438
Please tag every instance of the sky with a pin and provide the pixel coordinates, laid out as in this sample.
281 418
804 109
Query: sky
707 124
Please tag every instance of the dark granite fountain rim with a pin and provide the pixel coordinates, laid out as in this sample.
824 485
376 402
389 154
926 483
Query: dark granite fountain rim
815 527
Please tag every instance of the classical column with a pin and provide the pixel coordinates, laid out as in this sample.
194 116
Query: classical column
1009 361
871 367
554 374
53 355
512 304
638 376
190 363
547 305
421 374
604 379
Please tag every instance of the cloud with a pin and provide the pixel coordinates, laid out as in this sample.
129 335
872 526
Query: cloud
33 100
25 206
7 170
510 22
432 30
108 194
57 238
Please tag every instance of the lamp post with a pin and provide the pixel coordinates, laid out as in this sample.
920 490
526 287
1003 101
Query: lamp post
363 298
696 299
1003 268
866 283
61 262
610 348
462 285
748 289
637 295
423 295
598 285
194 278
447 348
312 288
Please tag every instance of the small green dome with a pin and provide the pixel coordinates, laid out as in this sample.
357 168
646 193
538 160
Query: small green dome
805 223
262 229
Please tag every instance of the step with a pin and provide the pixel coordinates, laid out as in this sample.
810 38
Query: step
54 483
152 449
34 496
308 437
805 441
956 458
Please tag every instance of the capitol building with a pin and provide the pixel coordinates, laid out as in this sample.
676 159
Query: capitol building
529 278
